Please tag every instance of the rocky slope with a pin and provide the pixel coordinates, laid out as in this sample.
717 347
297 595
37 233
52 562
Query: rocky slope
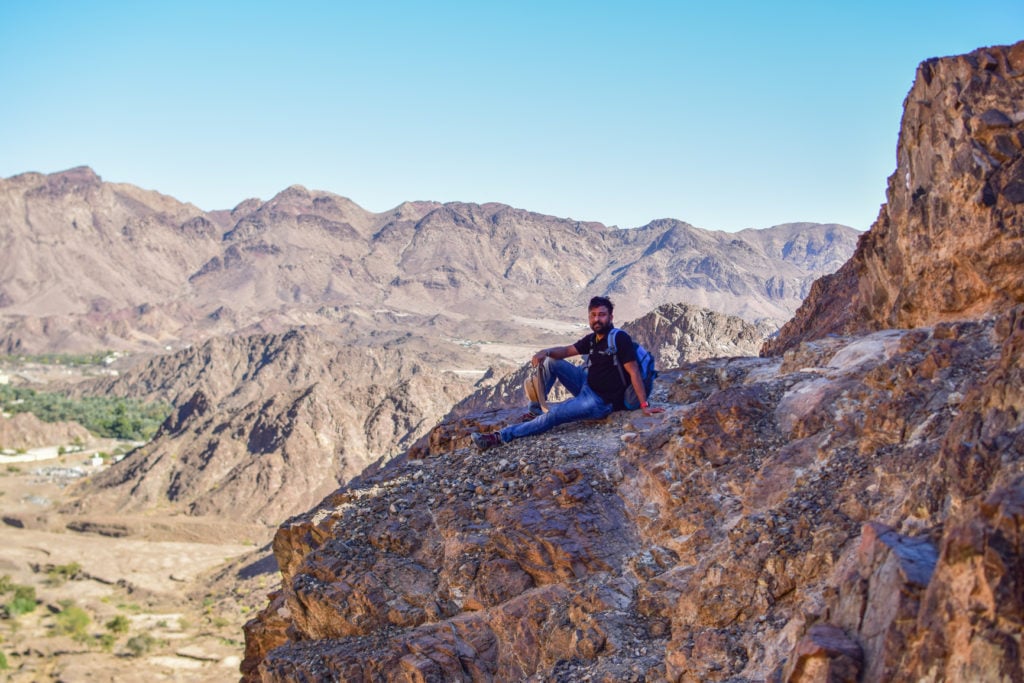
850 509
947 244
265 426
674 333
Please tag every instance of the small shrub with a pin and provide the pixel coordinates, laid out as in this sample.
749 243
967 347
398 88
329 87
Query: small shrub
23 602
60 574
119 624
72 621
106 641
3 662
140 644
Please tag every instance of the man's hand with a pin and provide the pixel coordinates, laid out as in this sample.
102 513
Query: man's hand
539 357
649 409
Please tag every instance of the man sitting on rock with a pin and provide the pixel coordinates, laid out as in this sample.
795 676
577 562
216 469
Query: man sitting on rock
597 389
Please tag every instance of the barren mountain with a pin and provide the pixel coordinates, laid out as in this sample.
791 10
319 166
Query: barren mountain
398 314
101 265
265 425
849 510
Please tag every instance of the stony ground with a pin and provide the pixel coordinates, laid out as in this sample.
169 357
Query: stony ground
158 605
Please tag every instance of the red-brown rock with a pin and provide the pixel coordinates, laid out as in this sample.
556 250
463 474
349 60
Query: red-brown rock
949 242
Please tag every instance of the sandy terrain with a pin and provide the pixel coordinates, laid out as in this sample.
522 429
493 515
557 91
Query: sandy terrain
182 603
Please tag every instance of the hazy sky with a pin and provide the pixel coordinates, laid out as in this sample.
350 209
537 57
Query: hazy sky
726 115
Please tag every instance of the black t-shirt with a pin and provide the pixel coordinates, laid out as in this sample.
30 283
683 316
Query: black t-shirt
602 376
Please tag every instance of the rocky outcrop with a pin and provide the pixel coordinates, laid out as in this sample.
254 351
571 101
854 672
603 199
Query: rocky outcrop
849 507
949 242
820 512
265 426
25 430
681 333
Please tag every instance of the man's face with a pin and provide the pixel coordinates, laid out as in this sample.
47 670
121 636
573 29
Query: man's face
600 320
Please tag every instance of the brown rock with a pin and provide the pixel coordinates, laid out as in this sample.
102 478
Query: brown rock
849 511
826 655
949 242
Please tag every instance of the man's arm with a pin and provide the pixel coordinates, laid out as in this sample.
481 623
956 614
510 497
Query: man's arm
633 370
556 352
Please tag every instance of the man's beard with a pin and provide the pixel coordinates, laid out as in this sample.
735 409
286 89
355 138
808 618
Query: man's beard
601 328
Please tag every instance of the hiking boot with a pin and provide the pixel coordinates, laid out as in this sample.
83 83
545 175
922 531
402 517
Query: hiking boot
485 441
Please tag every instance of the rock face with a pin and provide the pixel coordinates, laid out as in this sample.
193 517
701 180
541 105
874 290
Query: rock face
265 426
947 244
850 508
854 507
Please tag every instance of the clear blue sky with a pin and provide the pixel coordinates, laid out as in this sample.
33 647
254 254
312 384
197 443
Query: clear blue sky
726 115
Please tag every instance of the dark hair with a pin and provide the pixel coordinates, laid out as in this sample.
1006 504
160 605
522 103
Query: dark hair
599 301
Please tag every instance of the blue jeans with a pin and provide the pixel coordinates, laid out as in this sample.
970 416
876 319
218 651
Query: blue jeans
585 404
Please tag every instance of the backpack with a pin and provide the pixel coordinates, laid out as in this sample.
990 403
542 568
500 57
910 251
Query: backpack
647 372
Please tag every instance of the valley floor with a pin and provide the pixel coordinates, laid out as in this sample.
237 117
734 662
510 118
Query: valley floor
154 605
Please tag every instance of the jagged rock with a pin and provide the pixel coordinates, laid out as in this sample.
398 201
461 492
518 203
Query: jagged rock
704 549
949 242
849 509
826 655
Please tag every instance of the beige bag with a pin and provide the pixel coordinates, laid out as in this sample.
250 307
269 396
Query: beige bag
534 386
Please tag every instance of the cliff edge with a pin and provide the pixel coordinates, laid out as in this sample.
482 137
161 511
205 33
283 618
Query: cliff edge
848 507
948 243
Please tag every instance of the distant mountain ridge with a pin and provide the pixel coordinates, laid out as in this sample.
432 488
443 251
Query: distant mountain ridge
95 264
309 337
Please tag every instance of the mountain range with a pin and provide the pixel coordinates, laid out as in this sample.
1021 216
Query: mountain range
103 265
302 338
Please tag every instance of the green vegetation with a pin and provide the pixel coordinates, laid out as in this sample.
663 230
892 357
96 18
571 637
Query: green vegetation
106 641
141 644
72 621
62 573
22 602
105 416
3 662
119 624
99 358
